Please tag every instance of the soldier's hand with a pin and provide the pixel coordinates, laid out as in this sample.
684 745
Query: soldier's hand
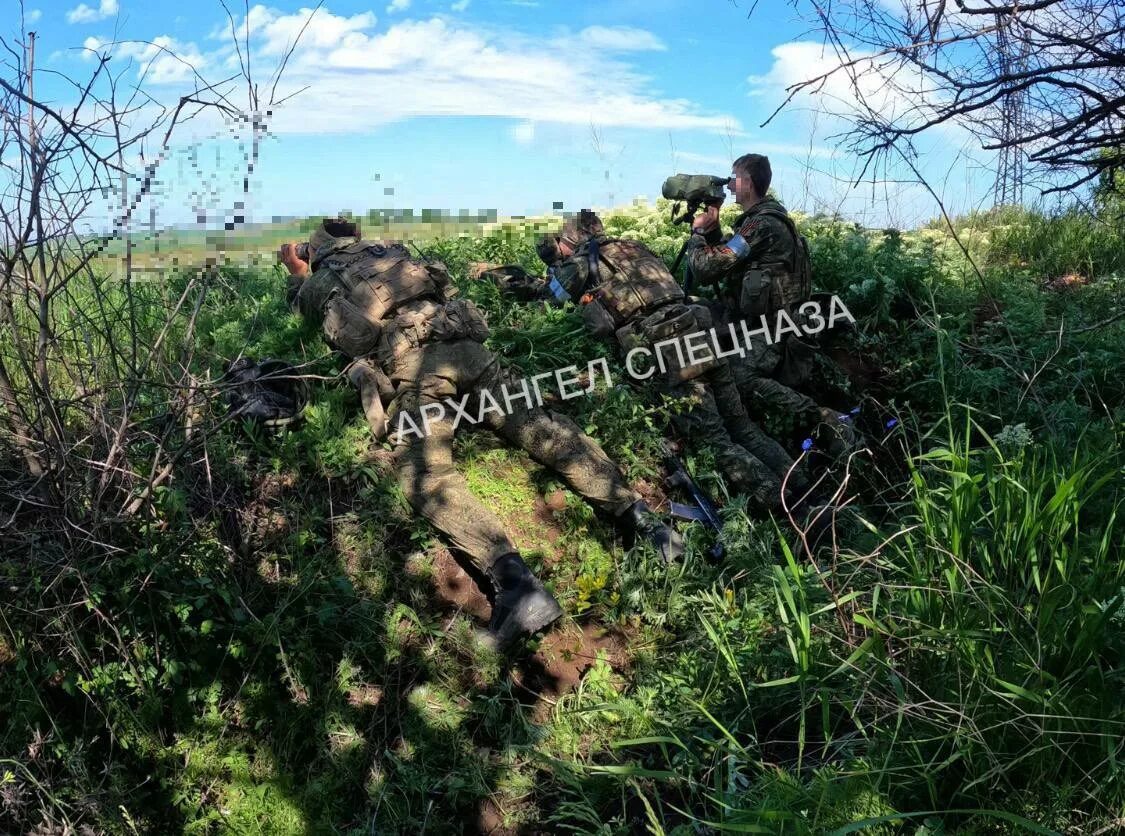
707 220
479 268
288 256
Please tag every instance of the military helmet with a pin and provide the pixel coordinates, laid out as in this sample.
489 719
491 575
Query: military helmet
330 229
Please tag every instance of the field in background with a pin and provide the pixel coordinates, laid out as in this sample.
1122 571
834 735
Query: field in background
252 245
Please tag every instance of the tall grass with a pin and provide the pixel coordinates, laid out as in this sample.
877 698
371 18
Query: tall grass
262 650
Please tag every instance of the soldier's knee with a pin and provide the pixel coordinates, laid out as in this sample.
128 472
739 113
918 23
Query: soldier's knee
417 475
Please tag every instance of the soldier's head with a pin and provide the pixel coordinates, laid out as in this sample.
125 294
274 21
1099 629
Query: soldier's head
330 229
750 179
579 230
554 247
548 249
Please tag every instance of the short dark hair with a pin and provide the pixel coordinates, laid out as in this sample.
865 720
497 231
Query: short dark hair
757 168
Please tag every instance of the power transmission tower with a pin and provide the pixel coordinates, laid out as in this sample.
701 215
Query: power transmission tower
1011 61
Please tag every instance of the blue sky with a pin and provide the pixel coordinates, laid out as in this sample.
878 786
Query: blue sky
509 105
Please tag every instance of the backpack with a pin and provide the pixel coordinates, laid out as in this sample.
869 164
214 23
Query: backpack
268 392
801 266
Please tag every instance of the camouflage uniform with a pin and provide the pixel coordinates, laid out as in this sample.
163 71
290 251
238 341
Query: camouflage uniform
627 294
375 301
763 279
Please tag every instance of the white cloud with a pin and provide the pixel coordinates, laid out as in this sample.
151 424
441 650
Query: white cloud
460 5
164 60
398 6
524 133
277 32
827 112
32 16
85 14
844 93
620 39
359 78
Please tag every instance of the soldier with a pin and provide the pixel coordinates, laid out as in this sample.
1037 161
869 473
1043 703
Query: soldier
628 296
761 269
420 347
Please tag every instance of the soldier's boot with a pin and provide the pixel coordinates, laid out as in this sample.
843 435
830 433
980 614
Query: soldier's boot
638 521
522 606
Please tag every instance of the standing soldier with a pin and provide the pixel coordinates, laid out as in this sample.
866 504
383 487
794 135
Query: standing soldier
762 268
423 349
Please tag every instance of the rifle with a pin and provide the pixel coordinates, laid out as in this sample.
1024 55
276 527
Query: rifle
702 511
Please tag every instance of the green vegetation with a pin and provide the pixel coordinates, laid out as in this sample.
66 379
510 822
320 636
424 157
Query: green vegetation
279 646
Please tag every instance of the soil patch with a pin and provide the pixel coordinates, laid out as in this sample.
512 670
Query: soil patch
564 656
456 589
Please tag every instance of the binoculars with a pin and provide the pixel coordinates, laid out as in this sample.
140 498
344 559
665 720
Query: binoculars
694 189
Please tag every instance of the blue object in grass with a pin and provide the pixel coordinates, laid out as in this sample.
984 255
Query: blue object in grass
806 445
891 424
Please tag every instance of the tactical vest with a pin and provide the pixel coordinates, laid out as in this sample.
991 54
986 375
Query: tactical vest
366 294
637 299
631 281
769 286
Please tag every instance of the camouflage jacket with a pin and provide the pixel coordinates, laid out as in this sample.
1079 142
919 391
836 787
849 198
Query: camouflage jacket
628 276
623 275
770 246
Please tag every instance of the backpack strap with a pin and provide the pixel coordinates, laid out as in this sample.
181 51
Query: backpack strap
775 210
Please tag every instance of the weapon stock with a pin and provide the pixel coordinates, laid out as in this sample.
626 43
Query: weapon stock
703 510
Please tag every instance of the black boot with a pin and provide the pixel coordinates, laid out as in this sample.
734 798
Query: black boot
639 521
522 606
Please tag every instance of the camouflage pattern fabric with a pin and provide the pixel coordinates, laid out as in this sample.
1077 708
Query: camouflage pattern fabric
631 284
771 249
424 466
753 462
421 347
763 393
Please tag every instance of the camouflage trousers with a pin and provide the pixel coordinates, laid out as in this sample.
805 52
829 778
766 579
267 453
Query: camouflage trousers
437 371
753 462
762 392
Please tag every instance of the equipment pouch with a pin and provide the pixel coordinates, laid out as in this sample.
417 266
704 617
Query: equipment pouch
347 329
459 319
669 326
757 287
598 320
